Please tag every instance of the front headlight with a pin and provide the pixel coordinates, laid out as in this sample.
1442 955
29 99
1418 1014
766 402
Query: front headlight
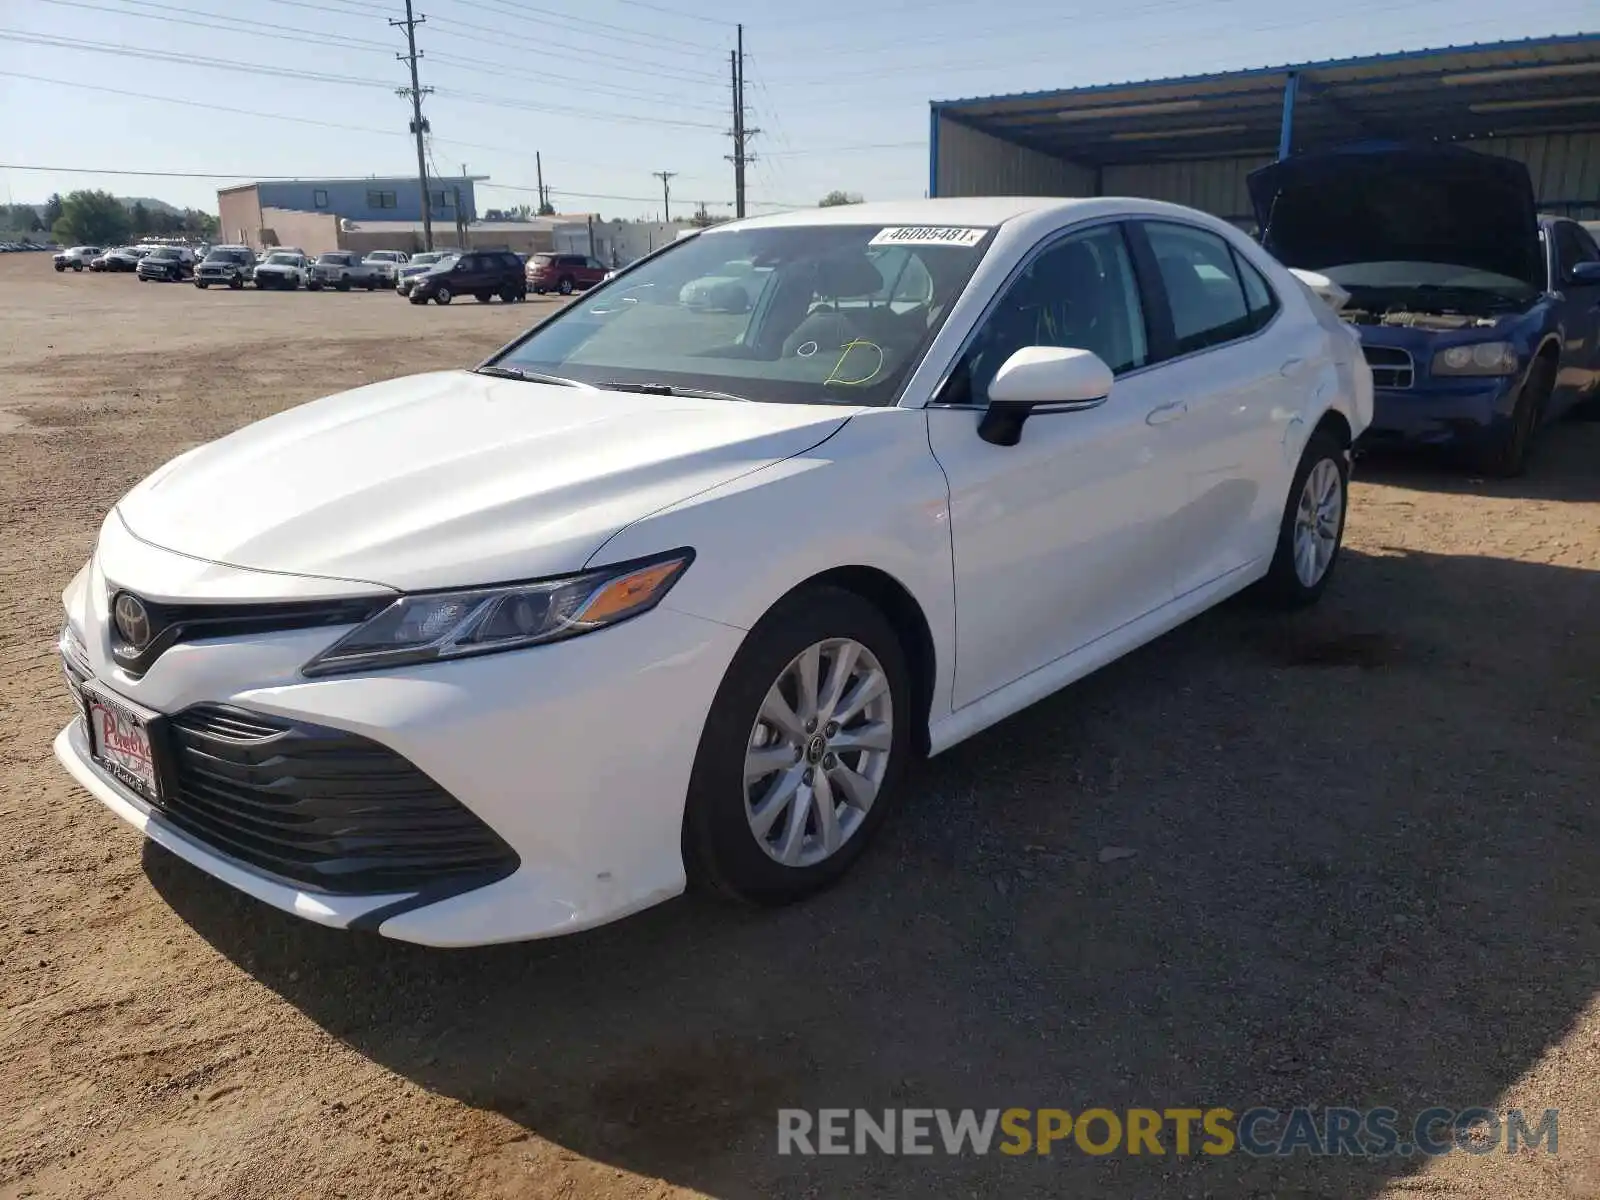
445 625
1484 358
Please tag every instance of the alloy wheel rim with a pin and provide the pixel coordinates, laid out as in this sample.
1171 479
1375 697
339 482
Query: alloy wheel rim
1318 519
818 752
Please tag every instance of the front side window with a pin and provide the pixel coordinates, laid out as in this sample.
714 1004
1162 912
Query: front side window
1574 245
810 321
1079 293
1204 291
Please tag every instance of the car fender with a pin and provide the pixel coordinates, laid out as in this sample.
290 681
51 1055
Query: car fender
872 496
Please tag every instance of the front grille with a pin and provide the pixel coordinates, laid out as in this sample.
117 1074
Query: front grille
1391 366
321 808
174 623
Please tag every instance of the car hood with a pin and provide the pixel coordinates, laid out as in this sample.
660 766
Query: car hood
1390 202
453 478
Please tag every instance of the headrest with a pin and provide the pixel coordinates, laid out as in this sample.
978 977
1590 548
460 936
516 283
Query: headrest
848 275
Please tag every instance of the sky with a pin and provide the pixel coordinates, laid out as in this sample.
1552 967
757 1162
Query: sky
610 92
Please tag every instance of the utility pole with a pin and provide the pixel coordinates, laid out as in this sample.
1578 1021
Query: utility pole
419 127
741 157
538 165
666 193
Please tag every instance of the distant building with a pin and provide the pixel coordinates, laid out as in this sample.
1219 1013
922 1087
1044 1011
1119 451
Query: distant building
307 212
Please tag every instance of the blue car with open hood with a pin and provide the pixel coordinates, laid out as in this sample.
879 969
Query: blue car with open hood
1479 318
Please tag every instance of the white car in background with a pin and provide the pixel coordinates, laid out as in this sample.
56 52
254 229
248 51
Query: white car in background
285 269
388 263
653 595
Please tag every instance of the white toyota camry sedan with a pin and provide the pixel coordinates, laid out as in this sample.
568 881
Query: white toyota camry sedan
660 593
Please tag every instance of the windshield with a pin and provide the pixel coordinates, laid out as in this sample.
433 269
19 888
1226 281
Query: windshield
799 314
445 263
233 256
1440 285
283 260
425 259
164 253
336 259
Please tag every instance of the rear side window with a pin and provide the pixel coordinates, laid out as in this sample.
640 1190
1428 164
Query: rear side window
1204 292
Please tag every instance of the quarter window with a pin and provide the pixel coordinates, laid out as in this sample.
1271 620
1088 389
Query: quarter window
1258 297
1204 291
1080 293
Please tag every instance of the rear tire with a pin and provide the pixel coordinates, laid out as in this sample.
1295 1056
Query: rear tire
78 267
566 286
1508 457
372 285
722 847
1312 531
508 294
483 297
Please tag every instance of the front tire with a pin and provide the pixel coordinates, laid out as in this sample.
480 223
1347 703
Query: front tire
803 752
236 283
78 267
1312 532
344 283
201 284
1507 456
442 296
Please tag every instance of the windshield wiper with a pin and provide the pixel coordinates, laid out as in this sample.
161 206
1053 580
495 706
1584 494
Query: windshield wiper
669 389
500 372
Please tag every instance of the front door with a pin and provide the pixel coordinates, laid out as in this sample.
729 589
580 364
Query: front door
1066 536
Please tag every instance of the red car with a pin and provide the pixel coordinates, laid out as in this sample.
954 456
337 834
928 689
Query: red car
564 273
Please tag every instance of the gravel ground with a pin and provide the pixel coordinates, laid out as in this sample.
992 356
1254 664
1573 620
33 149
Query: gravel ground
1364 873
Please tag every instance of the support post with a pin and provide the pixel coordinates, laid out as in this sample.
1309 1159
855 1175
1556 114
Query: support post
1291 89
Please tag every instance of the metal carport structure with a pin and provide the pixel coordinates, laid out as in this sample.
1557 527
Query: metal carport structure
1193 139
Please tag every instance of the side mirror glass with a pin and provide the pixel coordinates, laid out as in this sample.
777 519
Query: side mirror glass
1585 274
1040 380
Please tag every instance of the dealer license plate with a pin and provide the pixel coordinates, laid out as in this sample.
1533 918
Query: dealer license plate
119 740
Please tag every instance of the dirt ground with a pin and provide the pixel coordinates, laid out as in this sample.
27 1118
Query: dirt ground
1366 862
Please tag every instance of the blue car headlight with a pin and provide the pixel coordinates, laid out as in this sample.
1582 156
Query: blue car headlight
445 625
1481 358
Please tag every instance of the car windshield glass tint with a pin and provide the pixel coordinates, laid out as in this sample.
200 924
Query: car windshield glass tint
163 254
813 314
335 259
284 260
233 256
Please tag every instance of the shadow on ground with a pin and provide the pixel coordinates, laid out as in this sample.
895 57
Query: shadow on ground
1564 465
1365 842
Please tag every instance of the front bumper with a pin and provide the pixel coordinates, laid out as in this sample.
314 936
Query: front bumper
1460 414
576 754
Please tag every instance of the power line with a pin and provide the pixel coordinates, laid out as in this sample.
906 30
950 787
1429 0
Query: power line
563 21
477 65
283 33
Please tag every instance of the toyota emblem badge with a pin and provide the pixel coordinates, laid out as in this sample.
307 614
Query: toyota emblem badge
133 620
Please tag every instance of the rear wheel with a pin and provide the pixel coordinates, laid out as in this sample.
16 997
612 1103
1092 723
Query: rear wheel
78 267
566 285
483 297
344 283
508 294
1507 457
803 751
372 285
1312 531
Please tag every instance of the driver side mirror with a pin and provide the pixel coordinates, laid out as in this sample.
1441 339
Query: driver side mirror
1585 274
1040 380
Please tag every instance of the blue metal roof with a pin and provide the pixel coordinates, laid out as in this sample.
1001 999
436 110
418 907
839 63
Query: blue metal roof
1448 93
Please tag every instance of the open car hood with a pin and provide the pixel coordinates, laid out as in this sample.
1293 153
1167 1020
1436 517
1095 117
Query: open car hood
1389 202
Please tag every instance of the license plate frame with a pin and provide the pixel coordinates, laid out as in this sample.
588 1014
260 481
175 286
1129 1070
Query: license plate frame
122 741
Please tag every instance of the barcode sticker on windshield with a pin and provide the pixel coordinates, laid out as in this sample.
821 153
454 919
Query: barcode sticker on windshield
927 235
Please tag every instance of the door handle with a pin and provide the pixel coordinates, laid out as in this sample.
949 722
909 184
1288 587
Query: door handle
1166 413
1291 365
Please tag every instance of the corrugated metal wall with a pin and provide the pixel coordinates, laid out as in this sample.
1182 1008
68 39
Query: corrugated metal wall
1565 169
970 163
1212 185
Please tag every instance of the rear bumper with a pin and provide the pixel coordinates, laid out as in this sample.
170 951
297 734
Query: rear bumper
1462 414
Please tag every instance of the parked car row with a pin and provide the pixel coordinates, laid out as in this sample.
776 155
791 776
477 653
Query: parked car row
25 246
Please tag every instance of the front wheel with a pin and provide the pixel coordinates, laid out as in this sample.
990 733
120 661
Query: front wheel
483 297
60 267
78 267
1507 456
201 284
1312 531
372 285
803 751
344 284
236 283
442 296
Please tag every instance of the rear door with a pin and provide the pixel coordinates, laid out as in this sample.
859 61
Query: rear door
1235 372
1580 314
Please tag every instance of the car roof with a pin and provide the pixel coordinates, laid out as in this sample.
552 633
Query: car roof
974 210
